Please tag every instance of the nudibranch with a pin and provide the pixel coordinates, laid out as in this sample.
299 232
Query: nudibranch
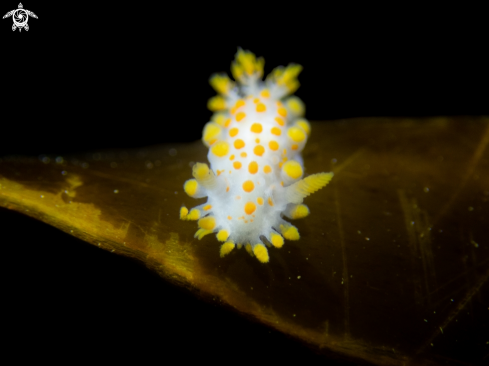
256 175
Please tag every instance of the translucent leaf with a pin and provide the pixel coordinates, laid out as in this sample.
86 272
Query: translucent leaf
392 264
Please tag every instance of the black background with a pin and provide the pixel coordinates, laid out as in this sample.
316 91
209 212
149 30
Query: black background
90 76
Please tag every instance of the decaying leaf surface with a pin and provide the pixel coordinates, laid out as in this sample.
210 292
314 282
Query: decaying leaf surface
394 252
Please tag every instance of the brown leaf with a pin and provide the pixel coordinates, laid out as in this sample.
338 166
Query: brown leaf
394 254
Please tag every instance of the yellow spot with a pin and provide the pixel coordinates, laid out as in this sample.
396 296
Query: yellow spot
259 200
280 121
256 128
216 103
267 169
199 234
226 248
296 134
249 249
290 233
276 131
183 213
193 215
299 212
265 93
233 132
294 147
237 165
260 107
230 218
240 116
227 123
221 83
220 171
207 207
239 144
256 100
276 240
259 150
201 171
295 105
257 141
219 118
293 169
250 207
211 133
270 202
231 157
302 123
220 149
190 187
253 167
285 152
243 155
248 186
261 253
222 235
280 164
239 103
282 111
207 223
273 145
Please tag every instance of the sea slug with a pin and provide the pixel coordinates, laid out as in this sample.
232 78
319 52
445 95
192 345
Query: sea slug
256 176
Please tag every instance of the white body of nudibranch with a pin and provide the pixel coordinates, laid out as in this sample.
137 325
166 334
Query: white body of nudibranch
254 139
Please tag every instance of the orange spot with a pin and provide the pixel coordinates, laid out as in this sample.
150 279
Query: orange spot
240 116
238 197
259 150
259 200
237 165
244 155
233 132
212 142
280 164
256 128
282 183
207 207
238 104
282 111
280 121
273 145
294 147
257 141
276 131
238 144
267 169
219 172
248 186
227 189
250 207
260 107
270 202
227 123
253 167
231 157
229 217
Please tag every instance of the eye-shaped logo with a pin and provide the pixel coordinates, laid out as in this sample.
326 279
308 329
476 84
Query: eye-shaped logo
20 17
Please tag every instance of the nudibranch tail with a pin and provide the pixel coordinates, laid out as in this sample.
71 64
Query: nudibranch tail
256 174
